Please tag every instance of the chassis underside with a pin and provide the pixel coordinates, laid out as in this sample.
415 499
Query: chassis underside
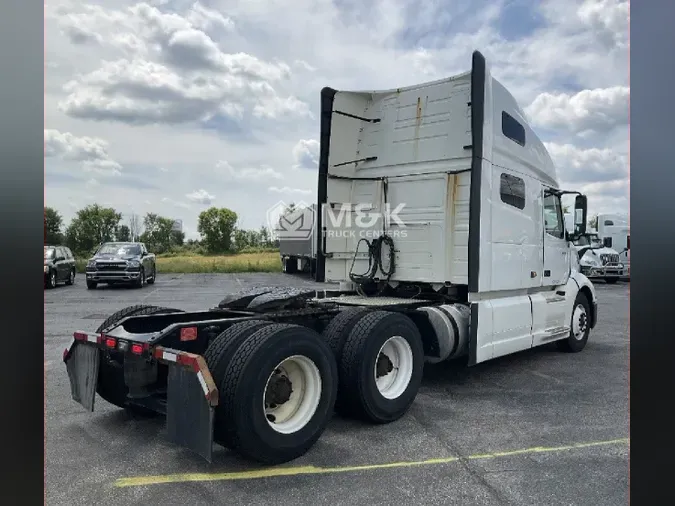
161 354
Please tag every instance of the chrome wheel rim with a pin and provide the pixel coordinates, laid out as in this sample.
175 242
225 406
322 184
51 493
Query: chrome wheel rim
579 322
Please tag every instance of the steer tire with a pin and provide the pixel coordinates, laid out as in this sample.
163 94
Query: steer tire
244 420
110 385
576 343
218 356
358 394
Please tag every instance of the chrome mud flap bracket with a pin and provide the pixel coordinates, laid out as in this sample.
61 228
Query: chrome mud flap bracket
191 400
82 362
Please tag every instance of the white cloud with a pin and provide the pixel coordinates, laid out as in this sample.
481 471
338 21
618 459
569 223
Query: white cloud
289 191
258 174
306 154
208 20
596 110
175 203
591 165
200 196
181 85
171 71
92 152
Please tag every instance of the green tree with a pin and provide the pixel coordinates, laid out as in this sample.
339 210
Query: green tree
265 238
123 233
177 237
157 235
91 226
241 239
53 226
216 226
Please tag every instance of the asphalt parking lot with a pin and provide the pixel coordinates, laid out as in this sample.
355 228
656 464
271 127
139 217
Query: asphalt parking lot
538 427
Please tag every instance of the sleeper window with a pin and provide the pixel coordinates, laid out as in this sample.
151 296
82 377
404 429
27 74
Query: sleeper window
512 129
512 190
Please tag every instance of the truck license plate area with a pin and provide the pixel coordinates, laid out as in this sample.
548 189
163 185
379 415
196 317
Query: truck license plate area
82 366
189 416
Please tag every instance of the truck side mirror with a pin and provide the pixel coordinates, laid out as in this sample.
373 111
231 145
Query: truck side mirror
607 242
580 215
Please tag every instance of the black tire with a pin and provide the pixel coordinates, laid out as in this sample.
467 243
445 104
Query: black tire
291 265
91 285
51 279
338 329
71 277
358 394
111 386
151 281
218 356
611 281
576 343
242 392
140 282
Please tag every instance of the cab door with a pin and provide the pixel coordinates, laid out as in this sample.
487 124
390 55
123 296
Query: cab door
556 250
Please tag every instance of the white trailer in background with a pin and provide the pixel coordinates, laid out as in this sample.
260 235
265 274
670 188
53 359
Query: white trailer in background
614 231
298 254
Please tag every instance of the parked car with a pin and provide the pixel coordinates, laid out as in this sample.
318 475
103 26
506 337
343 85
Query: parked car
121 263
59 266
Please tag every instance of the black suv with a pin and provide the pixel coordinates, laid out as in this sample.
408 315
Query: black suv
121 262
59 266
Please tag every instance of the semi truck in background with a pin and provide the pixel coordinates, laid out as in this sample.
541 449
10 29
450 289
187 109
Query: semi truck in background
477 264
614 232
596 260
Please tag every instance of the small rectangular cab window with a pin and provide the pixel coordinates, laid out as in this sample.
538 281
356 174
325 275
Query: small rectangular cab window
512 129
553 216
512 190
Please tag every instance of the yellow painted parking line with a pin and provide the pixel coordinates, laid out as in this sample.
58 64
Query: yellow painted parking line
307 470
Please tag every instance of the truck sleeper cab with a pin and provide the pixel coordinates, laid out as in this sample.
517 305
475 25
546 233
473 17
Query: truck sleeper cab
474 260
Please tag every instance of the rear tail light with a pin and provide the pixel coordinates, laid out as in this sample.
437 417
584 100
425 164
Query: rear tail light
137 349
110 342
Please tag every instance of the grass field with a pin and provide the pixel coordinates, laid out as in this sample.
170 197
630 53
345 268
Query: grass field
267 261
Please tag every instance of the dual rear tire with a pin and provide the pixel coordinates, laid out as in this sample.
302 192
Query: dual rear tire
380 359
277 386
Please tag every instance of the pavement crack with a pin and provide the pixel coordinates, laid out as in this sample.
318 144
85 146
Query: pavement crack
432 428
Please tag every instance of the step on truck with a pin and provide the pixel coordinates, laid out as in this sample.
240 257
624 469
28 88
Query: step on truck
466 266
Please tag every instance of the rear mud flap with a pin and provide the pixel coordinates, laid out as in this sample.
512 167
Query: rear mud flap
82 364
189 415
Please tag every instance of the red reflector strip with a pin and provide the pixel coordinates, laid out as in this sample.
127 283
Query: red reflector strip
189 361
110 342
80 336
197 364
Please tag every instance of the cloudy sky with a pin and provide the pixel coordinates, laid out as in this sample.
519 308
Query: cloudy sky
172 106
